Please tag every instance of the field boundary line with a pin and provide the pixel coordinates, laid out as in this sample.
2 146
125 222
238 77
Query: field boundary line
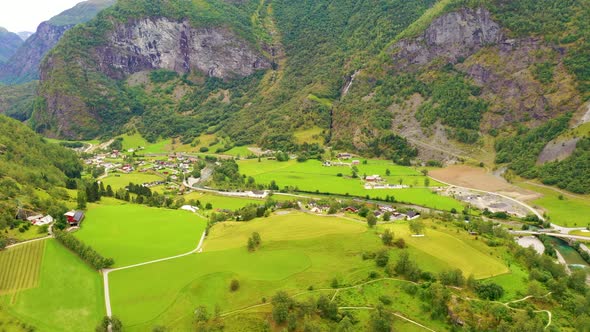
28 241
105 272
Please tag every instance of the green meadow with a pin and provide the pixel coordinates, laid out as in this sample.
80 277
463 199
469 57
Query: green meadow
68 295
121 180
131 233
222 202
311 176
297 251
571 211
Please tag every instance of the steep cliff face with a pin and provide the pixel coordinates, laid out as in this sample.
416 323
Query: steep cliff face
9 43
450 37
160 43
23 65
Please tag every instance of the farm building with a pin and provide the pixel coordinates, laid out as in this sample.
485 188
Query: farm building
344 155
74 218
373 178
351 209
412 215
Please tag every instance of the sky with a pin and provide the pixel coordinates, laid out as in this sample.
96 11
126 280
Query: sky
25 15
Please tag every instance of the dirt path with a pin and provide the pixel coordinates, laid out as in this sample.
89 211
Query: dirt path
105 272
29 241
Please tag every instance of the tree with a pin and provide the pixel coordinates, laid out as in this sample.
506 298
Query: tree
489 291
81 199
426 182
208 206
381 320
387 216
201 314
416 226
281 303
382 258
387 172
256 238
251 245
387 237
371 219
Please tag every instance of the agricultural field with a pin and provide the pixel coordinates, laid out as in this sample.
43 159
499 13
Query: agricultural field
20 266
131 233
67 295
570 211
297 251
121 180
440 250
223 202
311 176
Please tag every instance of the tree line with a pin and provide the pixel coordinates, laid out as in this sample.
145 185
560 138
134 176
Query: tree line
84 251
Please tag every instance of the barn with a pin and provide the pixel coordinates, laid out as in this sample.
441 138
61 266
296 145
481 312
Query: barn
74 218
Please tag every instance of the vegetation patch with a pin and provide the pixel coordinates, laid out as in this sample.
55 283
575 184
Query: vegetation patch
20 267
132 233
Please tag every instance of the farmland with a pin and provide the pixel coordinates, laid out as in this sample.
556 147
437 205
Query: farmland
118 180
132 233
298 251
568 211
68 295
311 176
20 266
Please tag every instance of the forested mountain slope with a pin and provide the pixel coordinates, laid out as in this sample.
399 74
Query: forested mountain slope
9 43
29 163
401 79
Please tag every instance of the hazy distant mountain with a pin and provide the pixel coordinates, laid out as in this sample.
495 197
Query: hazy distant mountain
24 35
9 43
23 66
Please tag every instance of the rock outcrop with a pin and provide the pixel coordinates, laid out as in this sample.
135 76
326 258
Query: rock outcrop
452 36
160 43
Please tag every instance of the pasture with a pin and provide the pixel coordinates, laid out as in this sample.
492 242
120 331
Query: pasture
571 211
311 176
68 295
121 180
131 233
440 250
20 266
297 251
222 202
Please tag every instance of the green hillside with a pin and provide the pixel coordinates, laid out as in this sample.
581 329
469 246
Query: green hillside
29 164
384 78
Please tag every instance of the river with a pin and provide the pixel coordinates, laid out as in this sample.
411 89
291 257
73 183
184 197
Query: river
571 256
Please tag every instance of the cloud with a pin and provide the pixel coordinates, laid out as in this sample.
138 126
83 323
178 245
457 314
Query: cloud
26 15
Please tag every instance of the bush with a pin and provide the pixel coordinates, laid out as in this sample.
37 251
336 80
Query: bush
382 258
234 285
204 149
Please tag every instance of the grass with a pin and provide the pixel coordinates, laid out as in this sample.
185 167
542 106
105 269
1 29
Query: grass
20 266
571 211
131 233
297 251
514 283
69 296
299 225
440 250
31 233
121 180
311 176
222 202
311 135
580 233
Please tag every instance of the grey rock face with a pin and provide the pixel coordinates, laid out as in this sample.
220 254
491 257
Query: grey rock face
451 36
159 43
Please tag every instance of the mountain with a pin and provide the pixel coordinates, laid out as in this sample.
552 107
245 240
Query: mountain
24 35
408 80
29 164
23 66
9 43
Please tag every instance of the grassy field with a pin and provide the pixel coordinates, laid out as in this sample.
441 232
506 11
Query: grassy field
31 233
132 233
20 266
68 297
121 180
581 233
298 225
297 251
311 135
222 202
312 176
569 212
440 250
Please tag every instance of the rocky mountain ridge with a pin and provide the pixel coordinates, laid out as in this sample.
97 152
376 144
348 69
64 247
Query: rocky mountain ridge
9 43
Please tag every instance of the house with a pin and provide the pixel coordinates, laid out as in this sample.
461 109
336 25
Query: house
24 215
74 218
373 178
351 209
411 214
344 155
356 162
189 208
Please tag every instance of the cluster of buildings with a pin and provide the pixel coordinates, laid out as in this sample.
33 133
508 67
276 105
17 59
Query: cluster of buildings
73 218
378 211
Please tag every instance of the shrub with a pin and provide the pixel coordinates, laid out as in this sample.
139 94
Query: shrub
234 285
